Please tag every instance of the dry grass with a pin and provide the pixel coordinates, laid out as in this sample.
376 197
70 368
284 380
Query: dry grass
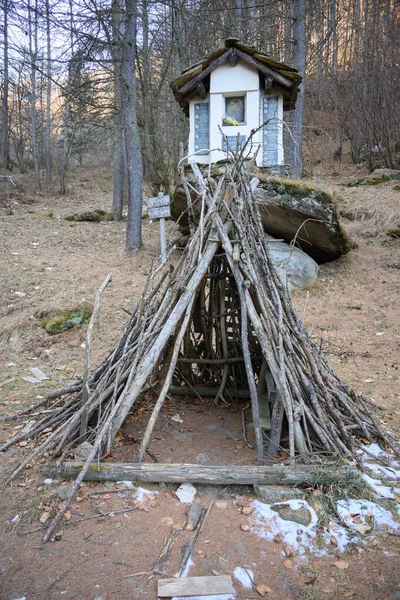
377 208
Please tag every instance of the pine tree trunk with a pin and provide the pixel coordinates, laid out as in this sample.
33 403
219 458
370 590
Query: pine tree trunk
4 107
32 57
119 151
299 59
48 98
131 131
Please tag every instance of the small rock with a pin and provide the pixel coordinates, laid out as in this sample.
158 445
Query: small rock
186 493
83 450
270 494
62 492
221 504
300 516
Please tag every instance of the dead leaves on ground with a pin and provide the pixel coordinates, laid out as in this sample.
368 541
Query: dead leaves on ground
263 589
341 564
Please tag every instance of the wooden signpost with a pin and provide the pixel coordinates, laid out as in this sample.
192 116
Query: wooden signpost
159 208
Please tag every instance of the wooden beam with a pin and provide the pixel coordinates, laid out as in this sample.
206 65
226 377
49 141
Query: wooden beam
264 69
268 81
201 90
195 586
230 475
233 57
193 82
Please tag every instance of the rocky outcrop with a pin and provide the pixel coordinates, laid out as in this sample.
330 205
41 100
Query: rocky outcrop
293 211
290 210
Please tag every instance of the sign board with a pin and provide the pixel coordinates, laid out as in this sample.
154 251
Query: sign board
159 207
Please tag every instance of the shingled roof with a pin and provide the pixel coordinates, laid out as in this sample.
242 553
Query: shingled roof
196 79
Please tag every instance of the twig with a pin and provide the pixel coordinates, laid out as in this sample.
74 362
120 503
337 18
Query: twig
88 346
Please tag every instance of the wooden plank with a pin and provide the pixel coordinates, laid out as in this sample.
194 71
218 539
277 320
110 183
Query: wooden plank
276 426
193 82
279 474
161 212
158 201
195 586
263 400
264 69
263 406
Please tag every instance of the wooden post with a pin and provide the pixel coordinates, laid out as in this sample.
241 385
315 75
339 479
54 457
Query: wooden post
163 240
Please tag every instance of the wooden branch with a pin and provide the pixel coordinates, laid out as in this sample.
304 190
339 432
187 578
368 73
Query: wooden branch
204 391
230 475
212 361
167 383
86 364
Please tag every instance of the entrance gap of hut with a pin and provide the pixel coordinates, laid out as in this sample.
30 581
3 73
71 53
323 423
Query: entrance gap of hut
210 370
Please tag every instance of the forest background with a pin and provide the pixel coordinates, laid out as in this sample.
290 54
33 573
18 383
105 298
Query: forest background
87 82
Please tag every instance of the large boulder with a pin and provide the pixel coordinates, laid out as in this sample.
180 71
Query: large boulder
290 210
295 268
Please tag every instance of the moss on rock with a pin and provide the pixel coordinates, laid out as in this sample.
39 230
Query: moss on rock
94 216
69 319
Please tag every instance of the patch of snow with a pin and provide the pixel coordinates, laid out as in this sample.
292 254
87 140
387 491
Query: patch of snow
376 450
189 564
141 494
268 524
244 576
341 535
186 493
364 508
129 484
380 470
384 491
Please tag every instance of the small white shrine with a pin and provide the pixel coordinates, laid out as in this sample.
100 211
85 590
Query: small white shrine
232 92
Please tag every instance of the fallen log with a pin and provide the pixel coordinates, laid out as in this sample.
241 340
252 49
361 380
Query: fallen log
304 475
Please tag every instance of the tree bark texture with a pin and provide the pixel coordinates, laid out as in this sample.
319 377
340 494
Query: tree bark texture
299 59
131 130
205 474
4 105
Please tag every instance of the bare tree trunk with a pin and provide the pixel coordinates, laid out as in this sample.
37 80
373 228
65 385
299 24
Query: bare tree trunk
338 143
355 143
4 106
119 151
32 58
48 98
131 131
67 109
299 59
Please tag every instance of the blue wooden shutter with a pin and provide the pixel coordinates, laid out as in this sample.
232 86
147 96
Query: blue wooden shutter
201 127
230 142
270 130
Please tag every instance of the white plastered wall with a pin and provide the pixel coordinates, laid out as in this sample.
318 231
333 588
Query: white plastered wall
233 81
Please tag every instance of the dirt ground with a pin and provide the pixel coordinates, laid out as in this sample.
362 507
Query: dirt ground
49 265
